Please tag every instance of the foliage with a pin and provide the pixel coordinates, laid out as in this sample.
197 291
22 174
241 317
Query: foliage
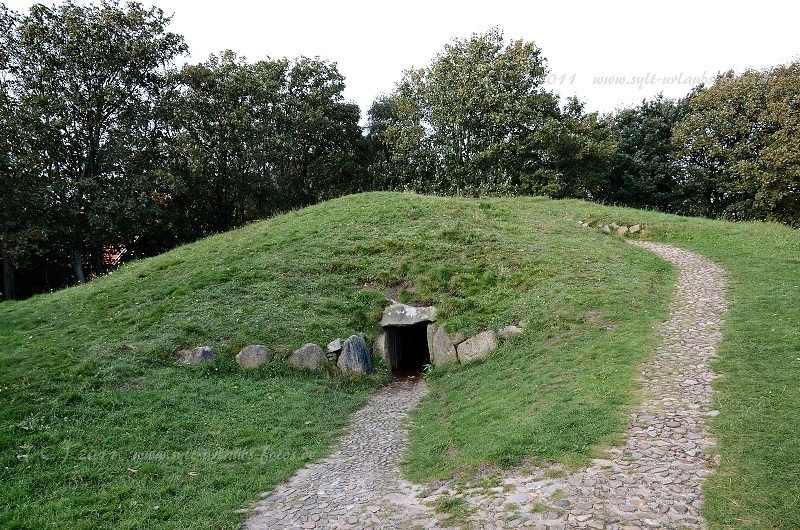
468 122
644 171
738 144
575 161
88 78
478 120
225 114
107 147
250 140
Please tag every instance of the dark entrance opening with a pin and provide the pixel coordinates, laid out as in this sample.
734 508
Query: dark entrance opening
408 349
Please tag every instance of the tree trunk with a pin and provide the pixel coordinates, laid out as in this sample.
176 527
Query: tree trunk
8 276
78 265
99 260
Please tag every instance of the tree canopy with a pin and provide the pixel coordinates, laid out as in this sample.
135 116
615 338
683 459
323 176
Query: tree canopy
469 121
479 120
739 145
86 80
250 139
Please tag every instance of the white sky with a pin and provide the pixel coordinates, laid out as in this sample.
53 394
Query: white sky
373 42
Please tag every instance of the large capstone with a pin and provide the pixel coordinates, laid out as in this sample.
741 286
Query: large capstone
398 315
355 356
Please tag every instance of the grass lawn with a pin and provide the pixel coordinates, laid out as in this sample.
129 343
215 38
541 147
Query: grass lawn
99 428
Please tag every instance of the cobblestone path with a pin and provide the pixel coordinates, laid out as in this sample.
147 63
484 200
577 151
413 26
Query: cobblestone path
653 481
360 485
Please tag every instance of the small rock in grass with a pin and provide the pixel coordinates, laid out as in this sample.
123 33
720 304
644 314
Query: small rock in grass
199 355
253 356
509 331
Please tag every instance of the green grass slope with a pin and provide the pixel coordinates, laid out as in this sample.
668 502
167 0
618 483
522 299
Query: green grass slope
99 428
757 485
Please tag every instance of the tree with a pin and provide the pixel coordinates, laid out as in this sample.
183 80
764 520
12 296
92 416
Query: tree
319 131
249 140
574 155
89 75
225 122
779 194
738 145
468 122
22 193
7 181
644 171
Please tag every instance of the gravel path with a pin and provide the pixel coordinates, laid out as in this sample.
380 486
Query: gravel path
359 485
653 481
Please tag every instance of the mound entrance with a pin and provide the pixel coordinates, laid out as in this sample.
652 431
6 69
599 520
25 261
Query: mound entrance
412 339
405 343
407 349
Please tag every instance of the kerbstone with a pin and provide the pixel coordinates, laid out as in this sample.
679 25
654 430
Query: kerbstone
477 347
310 356
355 357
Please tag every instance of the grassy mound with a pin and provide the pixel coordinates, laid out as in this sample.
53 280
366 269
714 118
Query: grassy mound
99 428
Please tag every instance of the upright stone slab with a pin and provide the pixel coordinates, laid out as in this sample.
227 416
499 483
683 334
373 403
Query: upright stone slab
379 347
355 356
310 356
440 346
334 349
477 347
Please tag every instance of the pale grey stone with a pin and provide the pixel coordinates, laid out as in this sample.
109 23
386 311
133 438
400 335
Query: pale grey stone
253 356
406 315
310 356
199 355
477 347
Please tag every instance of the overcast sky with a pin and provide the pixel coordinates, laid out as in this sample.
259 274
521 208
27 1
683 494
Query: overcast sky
374 41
